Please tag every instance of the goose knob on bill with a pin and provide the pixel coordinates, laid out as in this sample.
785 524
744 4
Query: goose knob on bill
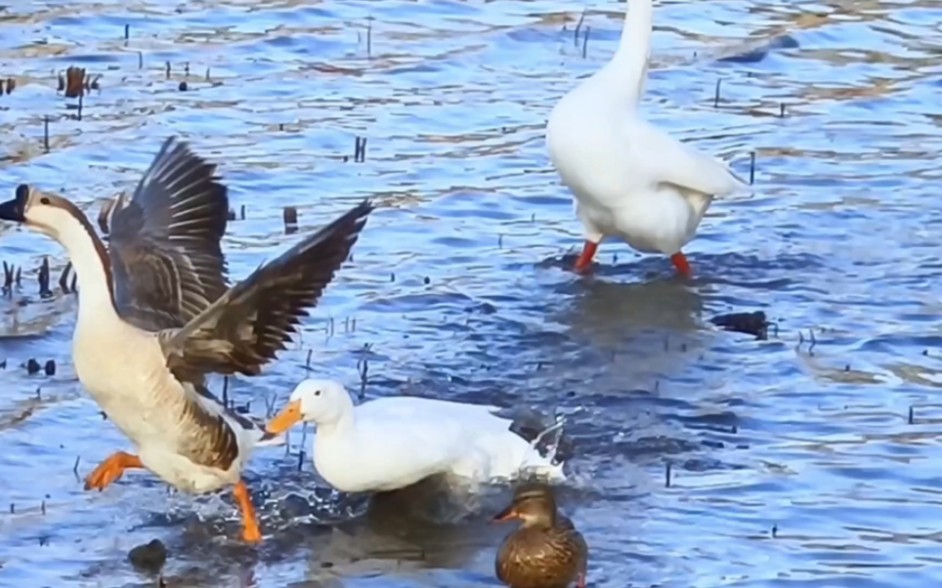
156 316
390 443
628 178
546 551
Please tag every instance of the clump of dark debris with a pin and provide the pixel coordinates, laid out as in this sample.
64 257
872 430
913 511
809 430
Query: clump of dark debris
750 323
149 557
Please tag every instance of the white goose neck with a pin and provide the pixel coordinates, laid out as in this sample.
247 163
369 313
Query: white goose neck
92 269
628 68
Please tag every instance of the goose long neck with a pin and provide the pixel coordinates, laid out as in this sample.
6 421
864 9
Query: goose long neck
92 269
630 63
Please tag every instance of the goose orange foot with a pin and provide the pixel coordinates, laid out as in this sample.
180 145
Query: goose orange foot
250 532
681 264
111 470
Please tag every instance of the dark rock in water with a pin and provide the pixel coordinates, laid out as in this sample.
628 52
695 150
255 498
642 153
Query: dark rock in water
750 323
293 505
32 366
149 557
50 367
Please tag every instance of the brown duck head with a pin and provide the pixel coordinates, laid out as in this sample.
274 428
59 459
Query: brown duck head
533 504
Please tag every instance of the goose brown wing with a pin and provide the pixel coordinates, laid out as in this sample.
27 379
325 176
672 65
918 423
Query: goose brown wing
253 320
165 242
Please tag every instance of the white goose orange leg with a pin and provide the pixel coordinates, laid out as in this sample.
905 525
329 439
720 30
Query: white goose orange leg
681 264
585 260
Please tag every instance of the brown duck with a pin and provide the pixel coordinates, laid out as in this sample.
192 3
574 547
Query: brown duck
546 551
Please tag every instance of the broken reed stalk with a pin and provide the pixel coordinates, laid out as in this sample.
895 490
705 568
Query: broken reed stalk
291 219
752 168
575 34
359 150
585 41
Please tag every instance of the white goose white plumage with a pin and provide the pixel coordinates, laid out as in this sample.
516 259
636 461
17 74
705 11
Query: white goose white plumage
630 179
391 443
156 316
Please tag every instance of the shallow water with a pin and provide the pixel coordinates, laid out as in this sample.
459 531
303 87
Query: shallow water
458 289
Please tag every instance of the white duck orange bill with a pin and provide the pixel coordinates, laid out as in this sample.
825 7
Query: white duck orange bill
287 418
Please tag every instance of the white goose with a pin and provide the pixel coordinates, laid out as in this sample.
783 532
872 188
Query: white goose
156 316
630 179
391 443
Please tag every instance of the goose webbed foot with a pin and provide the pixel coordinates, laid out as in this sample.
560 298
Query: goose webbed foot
111 470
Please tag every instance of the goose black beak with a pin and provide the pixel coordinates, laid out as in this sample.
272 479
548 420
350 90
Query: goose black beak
13 210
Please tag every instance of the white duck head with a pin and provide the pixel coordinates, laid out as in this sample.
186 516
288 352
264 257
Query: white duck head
323 402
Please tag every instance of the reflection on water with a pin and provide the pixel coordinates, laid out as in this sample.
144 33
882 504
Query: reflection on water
458 289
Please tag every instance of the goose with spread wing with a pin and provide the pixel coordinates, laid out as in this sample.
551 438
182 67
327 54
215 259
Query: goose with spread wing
156 315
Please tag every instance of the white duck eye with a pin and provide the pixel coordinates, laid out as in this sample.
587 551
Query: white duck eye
317 393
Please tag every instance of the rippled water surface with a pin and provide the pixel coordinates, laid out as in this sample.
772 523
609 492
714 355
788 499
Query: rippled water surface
794 461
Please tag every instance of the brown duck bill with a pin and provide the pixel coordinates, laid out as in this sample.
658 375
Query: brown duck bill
508 514
13 210
284 420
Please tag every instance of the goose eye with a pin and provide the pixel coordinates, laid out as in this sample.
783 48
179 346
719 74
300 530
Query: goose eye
317 393
44 200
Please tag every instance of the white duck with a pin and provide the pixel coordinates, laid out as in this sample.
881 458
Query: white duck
630 179
391 443
156 316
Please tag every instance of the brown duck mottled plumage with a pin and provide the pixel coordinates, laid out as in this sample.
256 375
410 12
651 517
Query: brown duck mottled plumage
546 551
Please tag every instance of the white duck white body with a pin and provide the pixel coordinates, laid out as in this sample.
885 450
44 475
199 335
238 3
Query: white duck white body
630 179
391 443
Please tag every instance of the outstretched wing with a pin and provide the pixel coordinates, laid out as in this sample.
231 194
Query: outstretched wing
165 242
249 324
